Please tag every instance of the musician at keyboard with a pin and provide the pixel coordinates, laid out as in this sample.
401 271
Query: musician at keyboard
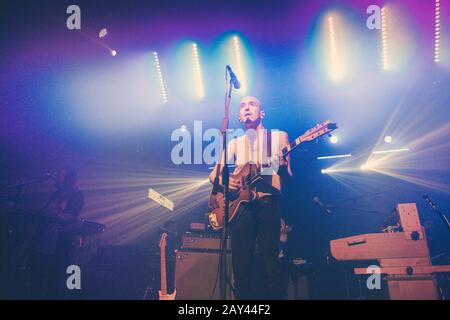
53 242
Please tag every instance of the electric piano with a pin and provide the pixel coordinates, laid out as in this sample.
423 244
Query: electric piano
403 257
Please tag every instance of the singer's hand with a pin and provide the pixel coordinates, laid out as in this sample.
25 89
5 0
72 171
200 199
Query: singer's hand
235 184
282 162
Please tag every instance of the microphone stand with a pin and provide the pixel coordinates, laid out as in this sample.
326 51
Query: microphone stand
367 195
355 209
436 209
225 182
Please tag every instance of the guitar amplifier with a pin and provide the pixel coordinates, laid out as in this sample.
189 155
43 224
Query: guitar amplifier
196 275
203 241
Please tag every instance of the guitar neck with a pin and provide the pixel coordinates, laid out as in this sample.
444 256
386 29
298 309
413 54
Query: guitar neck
291 147
163 271
284 152
310 135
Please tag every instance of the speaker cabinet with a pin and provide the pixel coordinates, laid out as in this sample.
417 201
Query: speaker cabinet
196 273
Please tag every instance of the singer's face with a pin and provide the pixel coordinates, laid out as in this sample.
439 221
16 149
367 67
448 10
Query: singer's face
250 110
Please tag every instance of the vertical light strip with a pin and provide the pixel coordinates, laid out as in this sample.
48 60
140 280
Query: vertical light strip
160 76
384 39
240 68
199 80
333 53
437 32
336 64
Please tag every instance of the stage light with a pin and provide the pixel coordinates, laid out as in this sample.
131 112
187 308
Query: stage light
332 41
335 47
332 171
118 195
183 128
233 49
334 139
336 67
160 76
370 165
103 33
437 32
391 151
335 157
398 41
198 73
384 39
113 53
388 139
240 72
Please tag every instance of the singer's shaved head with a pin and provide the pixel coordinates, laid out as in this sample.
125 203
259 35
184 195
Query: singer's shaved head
250 99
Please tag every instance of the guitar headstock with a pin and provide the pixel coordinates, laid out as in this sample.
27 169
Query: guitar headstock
319 130
163 241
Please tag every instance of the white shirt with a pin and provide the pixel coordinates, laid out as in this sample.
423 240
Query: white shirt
252 148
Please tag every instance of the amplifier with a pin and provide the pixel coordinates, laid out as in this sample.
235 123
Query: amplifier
197 277
202 241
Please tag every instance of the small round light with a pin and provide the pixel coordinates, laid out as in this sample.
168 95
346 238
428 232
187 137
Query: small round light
334 139
388 139
113 53
183 128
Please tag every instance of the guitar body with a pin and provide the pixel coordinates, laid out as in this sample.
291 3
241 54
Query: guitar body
238 200
165 296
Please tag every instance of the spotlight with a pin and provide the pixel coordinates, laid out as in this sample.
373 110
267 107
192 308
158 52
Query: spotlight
388 139
113 53
367 166
323 171
103 33
183 128
334 139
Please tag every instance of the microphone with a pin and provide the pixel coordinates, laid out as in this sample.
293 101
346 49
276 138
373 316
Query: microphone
234 80
317 201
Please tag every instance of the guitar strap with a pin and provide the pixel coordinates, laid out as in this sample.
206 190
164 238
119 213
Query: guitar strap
248 157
